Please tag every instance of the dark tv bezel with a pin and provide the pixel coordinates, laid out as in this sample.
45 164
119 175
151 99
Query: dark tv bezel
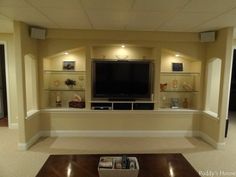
146 97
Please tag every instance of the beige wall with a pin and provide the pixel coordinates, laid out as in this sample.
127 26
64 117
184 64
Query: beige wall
24 45
120 120
116 52
32 126
62 40
221 48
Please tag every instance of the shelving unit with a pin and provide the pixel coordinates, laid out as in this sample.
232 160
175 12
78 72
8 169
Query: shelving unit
180 90
56 93
122 105
56 89
54 80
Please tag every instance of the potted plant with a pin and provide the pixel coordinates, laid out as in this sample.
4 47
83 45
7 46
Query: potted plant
70 83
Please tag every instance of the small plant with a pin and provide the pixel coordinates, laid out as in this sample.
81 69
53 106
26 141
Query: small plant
70 82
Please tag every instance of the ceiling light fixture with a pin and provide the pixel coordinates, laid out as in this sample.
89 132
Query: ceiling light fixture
177 55
123 46
66 53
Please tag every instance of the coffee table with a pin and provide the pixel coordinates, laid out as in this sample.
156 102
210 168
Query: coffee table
151 165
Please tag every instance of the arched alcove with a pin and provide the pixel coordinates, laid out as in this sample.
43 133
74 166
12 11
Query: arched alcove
213 86
31 83
64 78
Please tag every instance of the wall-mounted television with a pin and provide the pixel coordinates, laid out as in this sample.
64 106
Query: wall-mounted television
122 80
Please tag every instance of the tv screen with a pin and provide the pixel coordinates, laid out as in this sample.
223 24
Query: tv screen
122 79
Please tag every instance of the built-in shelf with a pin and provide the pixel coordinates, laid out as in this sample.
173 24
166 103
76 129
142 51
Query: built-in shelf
180 73
184 91
179 90
122 105
55 88
105 101
62 71
81 90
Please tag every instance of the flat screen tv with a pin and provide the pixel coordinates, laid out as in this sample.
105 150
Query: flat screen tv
122 80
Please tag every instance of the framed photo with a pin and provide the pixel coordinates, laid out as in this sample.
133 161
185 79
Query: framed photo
177 66
68 65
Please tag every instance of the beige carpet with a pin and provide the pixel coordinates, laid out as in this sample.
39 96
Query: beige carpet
205 159
119 145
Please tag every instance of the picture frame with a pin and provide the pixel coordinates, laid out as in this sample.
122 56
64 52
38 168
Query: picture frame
177 66
68 65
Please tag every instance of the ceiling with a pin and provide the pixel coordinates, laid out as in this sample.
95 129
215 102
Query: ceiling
143 15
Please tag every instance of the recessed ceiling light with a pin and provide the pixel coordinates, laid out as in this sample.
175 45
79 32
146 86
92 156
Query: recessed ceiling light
123 46
177 55
66 53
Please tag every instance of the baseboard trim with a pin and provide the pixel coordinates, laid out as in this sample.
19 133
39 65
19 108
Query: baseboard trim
13 126
211 141
119 133
105 133
28 144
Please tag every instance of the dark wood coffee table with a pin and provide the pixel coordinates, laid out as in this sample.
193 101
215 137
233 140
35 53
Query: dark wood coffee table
151 165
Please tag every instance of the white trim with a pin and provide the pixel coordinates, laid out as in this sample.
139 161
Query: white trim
32 113
25 146
211 141
118 133
90 111
13 126
211 114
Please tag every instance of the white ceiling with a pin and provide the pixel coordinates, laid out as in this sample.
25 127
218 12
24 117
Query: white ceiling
143 15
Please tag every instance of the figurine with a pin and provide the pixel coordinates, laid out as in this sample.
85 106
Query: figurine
185 103
58 101
174 83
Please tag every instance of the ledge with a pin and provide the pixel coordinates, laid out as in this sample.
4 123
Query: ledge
211 114
32 113
90 111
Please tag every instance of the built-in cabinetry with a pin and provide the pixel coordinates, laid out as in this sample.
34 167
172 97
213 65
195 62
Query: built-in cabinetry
122 105
179 90
60 94
122 54
171 89
64 78
180 87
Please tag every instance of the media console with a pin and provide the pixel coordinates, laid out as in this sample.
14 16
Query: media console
121 105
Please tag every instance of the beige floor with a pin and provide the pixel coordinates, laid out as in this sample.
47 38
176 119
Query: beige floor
205 159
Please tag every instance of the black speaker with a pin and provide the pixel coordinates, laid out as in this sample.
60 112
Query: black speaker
37 33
